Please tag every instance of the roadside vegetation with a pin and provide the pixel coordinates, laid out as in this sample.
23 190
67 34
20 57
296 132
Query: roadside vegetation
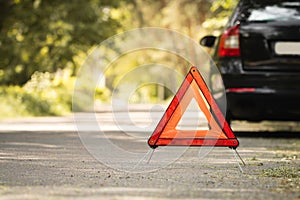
43 44
282 172
44 94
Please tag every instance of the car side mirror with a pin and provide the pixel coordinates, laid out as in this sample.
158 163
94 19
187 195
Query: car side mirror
208 41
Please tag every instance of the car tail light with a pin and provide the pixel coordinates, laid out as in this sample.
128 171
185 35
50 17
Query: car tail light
230 43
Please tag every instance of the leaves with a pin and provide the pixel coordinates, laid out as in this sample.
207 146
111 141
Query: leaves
47 35
220 12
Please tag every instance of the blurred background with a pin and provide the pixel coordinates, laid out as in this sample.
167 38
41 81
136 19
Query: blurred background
43 44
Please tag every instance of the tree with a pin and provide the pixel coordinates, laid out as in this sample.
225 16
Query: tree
219 14
185 16
40 35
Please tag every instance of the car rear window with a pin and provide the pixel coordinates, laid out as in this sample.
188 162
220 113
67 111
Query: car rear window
273 11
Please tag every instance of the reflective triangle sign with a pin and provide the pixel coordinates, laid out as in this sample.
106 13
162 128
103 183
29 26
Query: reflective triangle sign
167 131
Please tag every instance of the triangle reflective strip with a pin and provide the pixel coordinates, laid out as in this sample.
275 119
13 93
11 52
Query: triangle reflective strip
166 133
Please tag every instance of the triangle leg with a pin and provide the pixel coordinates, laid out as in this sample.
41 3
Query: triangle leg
235 156
143 158
237 153
150 156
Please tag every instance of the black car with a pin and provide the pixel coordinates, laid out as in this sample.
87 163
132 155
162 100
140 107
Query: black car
258 56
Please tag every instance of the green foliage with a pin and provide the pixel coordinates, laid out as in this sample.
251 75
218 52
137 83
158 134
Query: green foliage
184 16
11 102
128 69
40 35
220 11
42 41
44 94
102 94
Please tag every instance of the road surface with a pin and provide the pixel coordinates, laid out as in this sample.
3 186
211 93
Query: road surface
44 158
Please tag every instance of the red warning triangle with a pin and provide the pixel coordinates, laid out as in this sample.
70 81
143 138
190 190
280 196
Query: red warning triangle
219 134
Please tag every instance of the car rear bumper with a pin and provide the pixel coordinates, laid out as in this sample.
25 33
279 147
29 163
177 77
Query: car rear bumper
256 104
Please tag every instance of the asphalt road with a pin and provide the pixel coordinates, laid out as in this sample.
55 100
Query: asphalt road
44 158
